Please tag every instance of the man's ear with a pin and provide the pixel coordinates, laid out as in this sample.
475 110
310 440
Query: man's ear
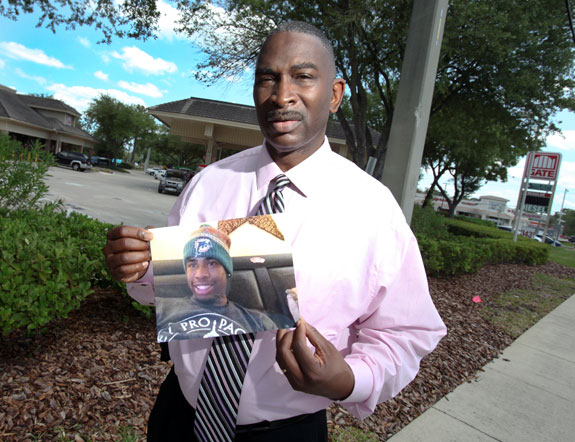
337 91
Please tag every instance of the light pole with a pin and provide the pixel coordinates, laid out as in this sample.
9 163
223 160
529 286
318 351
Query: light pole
560 216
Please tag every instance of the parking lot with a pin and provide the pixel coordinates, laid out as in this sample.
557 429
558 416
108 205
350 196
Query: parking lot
128 198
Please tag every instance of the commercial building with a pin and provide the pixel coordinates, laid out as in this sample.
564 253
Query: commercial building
52 122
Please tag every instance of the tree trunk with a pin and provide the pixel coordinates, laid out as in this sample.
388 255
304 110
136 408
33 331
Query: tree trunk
429 195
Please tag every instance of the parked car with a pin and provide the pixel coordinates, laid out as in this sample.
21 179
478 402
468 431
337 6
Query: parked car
75 160
158 174
100 161
152 170
174 181
548 240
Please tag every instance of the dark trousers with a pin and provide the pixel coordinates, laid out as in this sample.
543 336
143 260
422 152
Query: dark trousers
172 420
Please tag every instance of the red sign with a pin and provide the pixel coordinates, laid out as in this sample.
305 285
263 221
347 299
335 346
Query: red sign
545 165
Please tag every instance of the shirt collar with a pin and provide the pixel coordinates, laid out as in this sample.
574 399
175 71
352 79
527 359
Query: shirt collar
305 176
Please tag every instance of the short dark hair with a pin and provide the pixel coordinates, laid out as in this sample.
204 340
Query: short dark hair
304 28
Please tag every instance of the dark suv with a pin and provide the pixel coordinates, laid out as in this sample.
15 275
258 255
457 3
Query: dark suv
76 160
174 181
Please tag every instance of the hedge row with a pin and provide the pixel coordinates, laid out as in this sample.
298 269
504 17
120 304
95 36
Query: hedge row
467 254
49 260
471 246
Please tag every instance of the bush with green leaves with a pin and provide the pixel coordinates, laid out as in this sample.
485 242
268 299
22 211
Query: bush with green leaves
467 254
22 171
456 246
427 222
49 262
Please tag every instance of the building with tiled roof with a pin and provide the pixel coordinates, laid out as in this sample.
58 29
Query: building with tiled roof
223 126
51 121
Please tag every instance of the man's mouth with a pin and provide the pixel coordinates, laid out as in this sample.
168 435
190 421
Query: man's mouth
284 121
203 289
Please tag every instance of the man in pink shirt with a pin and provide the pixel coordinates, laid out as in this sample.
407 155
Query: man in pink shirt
367 317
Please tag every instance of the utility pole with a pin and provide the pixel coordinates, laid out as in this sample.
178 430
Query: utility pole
561 216
413 103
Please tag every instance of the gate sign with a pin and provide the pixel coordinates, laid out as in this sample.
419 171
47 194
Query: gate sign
545 165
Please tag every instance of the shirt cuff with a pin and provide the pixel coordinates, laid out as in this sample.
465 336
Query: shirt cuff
363 386
143 289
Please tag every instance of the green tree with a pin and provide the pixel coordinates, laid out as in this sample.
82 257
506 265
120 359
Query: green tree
171 150
569 222
145 130
501 77
118 126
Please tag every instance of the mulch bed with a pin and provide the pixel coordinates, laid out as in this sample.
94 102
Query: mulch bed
94 375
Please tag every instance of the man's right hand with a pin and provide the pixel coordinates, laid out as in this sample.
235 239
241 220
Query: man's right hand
128 253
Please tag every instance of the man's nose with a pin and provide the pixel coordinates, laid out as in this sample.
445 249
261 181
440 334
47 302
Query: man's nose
283 93
201 271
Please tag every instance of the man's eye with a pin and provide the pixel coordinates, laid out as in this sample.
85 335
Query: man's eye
264 80
304 77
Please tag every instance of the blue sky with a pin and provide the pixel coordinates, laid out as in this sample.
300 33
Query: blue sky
71 66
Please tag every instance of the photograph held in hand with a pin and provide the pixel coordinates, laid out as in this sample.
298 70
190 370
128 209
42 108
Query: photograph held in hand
225 278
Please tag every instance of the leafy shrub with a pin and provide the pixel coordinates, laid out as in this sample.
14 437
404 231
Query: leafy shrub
463 245
21 173
48 261
468 254
429 223
481 222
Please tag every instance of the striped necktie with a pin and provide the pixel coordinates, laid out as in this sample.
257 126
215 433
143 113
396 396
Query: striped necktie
221 384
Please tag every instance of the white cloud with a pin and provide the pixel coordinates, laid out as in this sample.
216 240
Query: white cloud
167 21
564 141
36 78
2 64
84 42
79 97
101 75
21 52
148 89
567 175
136 59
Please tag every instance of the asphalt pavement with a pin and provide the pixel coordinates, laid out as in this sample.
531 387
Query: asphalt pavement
526 395
113 197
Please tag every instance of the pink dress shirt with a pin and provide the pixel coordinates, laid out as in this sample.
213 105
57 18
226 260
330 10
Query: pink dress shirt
359 275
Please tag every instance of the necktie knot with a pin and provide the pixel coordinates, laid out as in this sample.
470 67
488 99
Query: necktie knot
274 202
280 182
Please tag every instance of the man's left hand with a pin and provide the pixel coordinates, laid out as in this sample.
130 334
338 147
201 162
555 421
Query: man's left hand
322 372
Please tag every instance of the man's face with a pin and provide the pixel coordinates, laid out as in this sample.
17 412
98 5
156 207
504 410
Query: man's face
294 93
207 280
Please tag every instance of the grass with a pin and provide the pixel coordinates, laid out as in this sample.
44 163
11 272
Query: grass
518 310
352 434
563 255
125 434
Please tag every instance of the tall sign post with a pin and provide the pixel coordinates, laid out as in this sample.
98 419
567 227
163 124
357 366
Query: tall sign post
537 187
